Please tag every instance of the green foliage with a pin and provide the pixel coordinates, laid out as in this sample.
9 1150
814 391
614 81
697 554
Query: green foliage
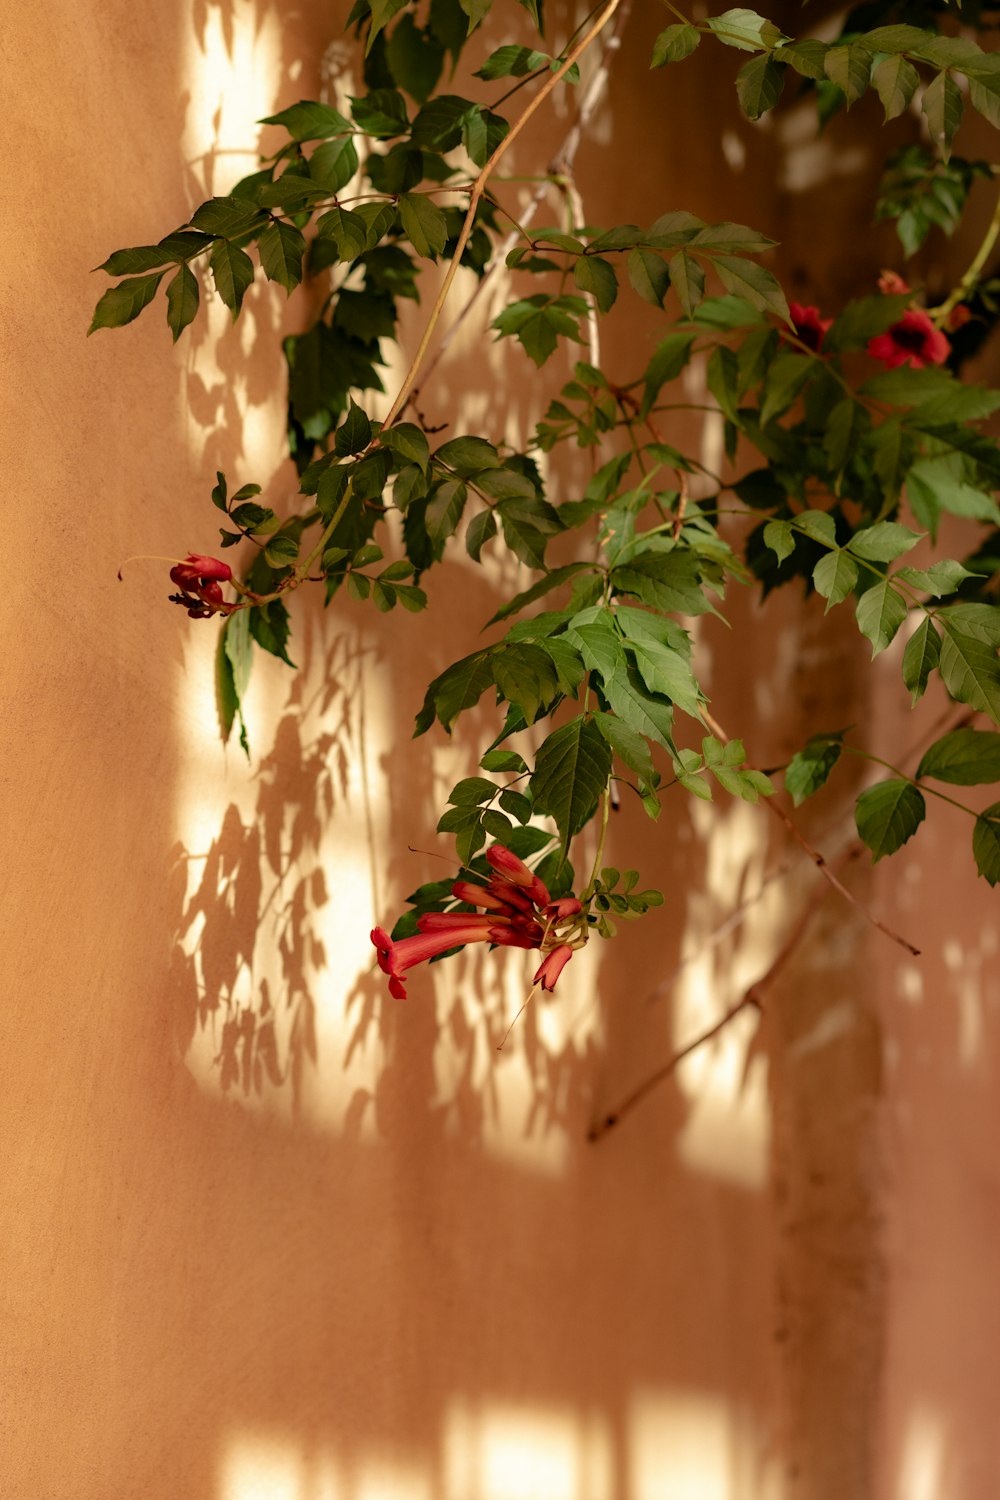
838 460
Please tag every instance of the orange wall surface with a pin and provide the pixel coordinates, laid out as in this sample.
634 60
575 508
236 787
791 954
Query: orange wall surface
266 1234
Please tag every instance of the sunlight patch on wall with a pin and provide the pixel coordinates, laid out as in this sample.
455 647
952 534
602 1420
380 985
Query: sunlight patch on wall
727 1130
680 1447
920 1469
279 887
255 1467
505 1451
231 70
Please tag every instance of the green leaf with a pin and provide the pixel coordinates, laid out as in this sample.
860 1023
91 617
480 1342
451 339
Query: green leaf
424 224
787 375
539 590
233 664
834 576
923 651
810 768
444 511
482 132
467 455
669 581
309 121
807 57
965 757
666 672
354 433
674 44
512 62
888 814
270 628
481 529
884 541
942 104
347 230
148 257
525 676
818 524
459 687
333 164
745 29
630 747
282 551
182 300
986 843
896 81
406 439
597 276
472 791
382 12
758 85
746 279
503 760
780 537
121 303
571 771
281 248
688 279
969 667
649 275
642 710
940 579
381 113
849 67
880 612
232 271
231 217
517 804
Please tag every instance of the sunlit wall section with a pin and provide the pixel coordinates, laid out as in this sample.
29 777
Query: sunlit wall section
274 852
726 1133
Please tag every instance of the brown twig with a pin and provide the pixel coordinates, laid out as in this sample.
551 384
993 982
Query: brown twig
818 859
560 166
751 999
476 193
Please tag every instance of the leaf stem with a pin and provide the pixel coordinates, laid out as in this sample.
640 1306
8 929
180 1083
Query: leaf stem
968 282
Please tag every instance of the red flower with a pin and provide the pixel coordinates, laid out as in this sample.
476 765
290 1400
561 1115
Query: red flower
516 871
891 284
552 966
394 958
914 340
200 580
519 913
810 328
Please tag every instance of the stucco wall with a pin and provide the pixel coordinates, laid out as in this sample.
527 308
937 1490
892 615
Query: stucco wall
267 1233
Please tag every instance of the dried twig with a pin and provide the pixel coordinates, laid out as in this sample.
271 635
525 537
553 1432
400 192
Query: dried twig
558 174
751 999
818 859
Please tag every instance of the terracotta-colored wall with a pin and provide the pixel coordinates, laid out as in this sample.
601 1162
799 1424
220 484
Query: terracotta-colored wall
266 1233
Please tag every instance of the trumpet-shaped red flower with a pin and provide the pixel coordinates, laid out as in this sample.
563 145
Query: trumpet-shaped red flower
914 340
200 580
810 327
518 912
552 966
509 867
394 958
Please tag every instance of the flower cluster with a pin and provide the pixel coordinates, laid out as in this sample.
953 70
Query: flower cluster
516 912
200 580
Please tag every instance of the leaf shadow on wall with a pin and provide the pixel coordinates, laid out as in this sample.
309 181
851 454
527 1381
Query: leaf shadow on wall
246 940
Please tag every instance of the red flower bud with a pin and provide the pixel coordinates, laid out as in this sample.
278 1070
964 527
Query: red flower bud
552 966
199 579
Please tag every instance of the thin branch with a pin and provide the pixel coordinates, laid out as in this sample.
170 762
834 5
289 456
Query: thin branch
818 859
751 999
560 165
476 193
